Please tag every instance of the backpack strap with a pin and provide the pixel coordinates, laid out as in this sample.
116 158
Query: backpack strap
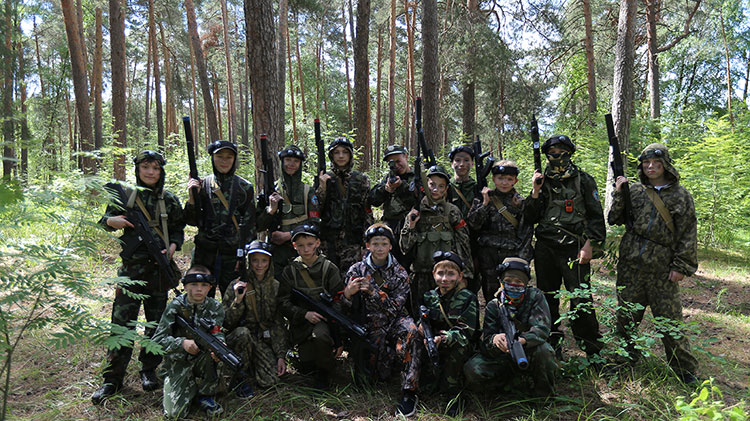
661 207
504 211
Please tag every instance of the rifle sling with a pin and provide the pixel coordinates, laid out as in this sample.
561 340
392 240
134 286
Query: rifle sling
163 213
254 305
223 200
661 207
462 197
504 211
308 279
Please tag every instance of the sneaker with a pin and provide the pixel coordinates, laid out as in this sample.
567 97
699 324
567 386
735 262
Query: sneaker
244 390
209 405
455 406
408 404
105 391
149 381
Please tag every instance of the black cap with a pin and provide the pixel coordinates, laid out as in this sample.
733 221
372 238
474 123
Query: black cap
440 256
306 229
149 155
258 246
504 169
394 150
292 151
439 171
379 230
199 277
461 148
218 145
560 141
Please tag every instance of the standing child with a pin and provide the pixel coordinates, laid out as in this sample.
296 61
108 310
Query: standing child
190 371
309 330
253 323
462 193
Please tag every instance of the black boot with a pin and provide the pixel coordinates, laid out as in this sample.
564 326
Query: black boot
105 391
149 381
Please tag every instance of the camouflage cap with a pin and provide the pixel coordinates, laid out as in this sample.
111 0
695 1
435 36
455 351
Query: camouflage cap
394 150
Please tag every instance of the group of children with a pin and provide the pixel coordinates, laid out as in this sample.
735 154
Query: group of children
422 267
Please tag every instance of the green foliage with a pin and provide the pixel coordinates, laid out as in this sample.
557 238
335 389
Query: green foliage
706 403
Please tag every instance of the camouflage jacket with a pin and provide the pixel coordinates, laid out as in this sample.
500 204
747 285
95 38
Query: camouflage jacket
170 336
326 277
397 204
532 321
650 244
391 290
215 224
175 223
492 228
440 227
264 316
467 189
585 222
345 212
461 307
293 210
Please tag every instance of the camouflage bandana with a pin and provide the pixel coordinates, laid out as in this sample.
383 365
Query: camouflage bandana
559 167
512 295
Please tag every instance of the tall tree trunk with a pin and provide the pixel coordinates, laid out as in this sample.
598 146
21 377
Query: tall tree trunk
622 95
171 117
82 37
346 66
392 77
411 77
119 117
25 133
264 83
588 42
200 62
281 41
195 119
97 73
469 93
80 86
9 154
299 67
147 122
157 75
378 97
231 120
362 82
217 105
652 12
431 75
291 87
747 76
728 68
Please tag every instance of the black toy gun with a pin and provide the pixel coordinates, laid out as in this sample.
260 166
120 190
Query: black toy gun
618 169
537 147
429 157
481 167
145 235
424 321
207 341
324 308
320 148
189 143
511 336
392 172
267 171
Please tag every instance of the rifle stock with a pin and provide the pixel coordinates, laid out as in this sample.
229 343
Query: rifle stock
618 169
432 351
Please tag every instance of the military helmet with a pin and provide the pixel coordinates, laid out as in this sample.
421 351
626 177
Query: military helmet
516 267
439 171
440 256
461 148
258 246
199 277
218 145
291 151
394 150
560 141
149 155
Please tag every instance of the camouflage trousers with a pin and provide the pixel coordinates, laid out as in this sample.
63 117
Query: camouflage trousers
552 266
483 370
258 358
222 265
654 289
185 377
316 351
448 378
343 256
396 343
125 313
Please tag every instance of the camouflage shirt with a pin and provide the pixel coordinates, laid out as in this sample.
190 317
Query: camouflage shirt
493 229
214 223
461 307
293 210
397 204
650 244
264 315
345 212
390 284
467 189
170 337
532 321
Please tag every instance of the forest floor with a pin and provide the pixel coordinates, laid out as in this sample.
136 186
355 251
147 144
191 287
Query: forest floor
56 384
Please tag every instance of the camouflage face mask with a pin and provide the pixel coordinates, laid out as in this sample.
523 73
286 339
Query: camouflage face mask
559 161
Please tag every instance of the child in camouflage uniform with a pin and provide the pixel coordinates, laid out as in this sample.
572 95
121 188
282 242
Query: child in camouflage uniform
137 264
344 211
659 251
497 220
461 193
253 323
376 292
226 221
529 313
311 274
190 371
453 313
435 225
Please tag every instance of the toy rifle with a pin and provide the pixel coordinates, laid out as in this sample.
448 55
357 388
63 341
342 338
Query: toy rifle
429 157
618 169
481 168
537 148
209 342
511 336
267 171
432 351
189 143
145 236
320 148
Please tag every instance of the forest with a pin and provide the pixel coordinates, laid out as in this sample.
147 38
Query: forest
87 84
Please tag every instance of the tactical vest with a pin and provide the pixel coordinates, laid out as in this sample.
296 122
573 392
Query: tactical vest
434 233
213 225
343 207
292 215
153 222
566 208
310 288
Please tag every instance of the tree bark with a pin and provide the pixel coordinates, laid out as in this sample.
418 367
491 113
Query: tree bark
622 95
119 120
200 62
170 117
97 73
291 87
363 129
9 153
376 149
80 86
195 119
264 83
346 64
431 75
392 77
25 133
231 120
147 123
410 84
588 43
728 68
281 40
299 68
157 75
469 93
